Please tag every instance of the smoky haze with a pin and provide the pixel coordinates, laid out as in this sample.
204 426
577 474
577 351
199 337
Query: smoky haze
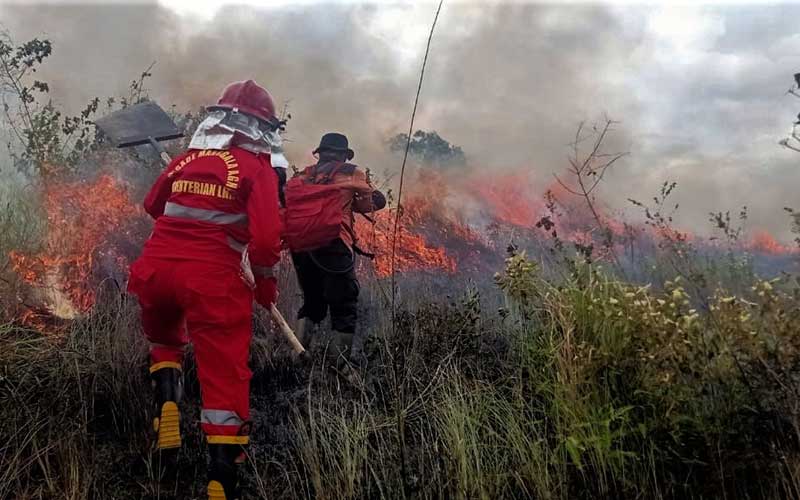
507 83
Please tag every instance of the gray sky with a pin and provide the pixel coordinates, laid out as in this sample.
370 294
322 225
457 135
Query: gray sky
700 90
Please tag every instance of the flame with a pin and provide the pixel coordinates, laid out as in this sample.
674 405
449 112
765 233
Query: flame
509 198
81 218
765 243
673 234
413 252
451 220
448 222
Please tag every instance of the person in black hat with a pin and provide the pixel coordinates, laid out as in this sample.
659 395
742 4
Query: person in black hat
334 146
326 268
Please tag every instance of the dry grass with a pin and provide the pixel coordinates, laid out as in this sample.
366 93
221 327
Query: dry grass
585 388
66 401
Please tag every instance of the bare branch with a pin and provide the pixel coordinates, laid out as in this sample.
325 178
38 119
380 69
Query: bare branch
589 170
569 189
785 143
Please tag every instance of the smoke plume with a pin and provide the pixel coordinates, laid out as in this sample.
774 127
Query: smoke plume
507 82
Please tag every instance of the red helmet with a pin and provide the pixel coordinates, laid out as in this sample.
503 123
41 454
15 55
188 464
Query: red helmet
247 97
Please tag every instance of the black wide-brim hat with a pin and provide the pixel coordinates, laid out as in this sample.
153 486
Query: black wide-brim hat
335 142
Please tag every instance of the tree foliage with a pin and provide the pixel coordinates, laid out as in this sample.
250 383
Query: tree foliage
428 148
45 140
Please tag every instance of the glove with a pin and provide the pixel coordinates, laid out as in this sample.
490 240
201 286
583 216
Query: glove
266 291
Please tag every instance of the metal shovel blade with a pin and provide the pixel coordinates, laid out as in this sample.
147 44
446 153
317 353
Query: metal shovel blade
138 124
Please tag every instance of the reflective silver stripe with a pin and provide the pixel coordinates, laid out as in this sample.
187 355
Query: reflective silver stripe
213 216
263 272
239 247
220 417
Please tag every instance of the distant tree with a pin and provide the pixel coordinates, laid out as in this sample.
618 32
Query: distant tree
428 148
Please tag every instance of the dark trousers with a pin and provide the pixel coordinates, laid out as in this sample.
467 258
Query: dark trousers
328 279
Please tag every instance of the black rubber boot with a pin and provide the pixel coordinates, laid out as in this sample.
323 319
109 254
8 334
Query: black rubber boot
223 475
308 333
168 386
339 349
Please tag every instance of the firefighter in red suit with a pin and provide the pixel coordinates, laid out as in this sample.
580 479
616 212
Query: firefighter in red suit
211 204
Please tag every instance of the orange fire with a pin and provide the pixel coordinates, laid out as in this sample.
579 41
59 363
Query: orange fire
509 198
424 217
81 217
765 243
433 234
413 252
446 225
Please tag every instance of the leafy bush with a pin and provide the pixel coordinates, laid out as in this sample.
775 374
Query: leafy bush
680 395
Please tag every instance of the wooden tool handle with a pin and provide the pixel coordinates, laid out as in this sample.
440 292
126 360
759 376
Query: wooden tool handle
163 155
287 332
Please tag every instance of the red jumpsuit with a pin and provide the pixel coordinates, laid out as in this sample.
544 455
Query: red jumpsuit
209 204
